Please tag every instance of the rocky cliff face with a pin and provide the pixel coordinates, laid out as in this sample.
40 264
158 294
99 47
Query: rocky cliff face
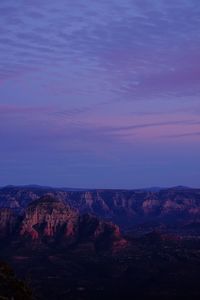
49 221
125 208
8 222
49 217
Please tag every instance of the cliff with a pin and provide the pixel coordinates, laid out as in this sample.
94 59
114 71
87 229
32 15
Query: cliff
49 221
123 207
8 222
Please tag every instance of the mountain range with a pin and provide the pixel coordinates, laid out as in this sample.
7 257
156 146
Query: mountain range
101 244
126 208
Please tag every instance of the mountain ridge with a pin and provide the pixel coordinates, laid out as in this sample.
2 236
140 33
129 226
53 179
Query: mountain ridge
124 207
52 222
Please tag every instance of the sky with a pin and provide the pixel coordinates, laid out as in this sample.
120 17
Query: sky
100 94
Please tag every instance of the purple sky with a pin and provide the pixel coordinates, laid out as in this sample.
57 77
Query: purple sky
100 93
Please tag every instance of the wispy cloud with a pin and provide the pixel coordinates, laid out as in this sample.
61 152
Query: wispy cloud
158 124
21 110
126 42
182 135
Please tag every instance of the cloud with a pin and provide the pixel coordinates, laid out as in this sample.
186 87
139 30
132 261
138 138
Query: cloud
124 41
182 135
21 110
156 124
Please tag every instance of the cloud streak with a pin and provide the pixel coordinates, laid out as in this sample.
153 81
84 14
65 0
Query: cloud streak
21 110
182 135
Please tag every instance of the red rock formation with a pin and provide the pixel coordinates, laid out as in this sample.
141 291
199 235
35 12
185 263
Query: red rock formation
125 208
7 222
49 219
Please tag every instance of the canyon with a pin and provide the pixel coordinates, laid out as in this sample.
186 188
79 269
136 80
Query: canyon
110 244
126 208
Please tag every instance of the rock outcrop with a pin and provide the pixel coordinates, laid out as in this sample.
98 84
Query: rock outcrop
49 221
8 222
123 207
49 217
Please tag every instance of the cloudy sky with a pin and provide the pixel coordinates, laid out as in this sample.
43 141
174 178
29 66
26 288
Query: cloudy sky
100 94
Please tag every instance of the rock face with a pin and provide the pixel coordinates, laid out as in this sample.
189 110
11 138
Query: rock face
49 217
125 208
8 222
49 221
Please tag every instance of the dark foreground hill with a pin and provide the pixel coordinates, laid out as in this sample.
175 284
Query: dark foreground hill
11 288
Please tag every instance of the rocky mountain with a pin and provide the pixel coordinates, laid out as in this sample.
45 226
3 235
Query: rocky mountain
126 208
8 222
51 222
48 217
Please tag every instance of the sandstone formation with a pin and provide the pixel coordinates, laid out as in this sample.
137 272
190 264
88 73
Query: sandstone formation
49 221
123 207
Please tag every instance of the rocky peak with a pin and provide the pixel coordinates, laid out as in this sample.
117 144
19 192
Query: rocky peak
48 217
51 220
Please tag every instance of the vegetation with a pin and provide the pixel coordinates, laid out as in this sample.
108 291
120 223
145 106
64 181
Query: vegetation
11 288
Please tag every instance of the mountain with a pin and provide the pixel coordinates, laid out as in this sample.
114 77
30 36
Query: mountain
127 208
51 222
67 245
